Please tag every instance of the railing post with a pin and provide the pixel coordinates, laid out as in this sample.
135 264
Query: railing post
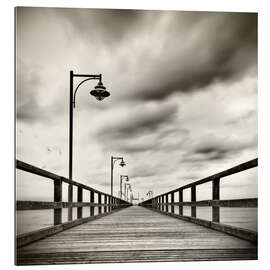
79 199
99 202
159 203
110 203
167 201
57 198
180 201
215 196
70 200
162 200
105 202
92 200
193 199
172 201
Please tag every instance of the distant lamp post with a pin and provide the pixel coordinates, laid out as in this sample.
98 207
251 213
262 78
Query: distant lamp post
121 180
99 93
127 185
150 194
128 189
122 164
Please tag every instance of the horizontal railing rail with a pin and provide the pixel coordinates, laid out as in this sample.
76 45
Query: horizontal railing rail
110 204
161 202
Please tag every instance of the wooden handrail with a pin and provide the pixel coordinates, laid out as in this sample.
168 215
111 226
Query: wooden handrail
110 204
41 172
161 202
239 168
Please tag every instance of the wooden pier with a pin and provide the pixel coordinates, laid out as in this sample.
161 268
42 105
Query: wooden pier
136 234
150 232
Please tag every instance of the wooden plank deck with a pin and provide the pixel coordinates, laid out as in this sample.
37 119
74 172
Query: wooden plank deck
136 234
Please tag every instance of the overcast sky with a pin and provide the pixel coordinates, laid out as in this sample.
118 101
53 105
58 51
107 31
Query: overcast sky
183 101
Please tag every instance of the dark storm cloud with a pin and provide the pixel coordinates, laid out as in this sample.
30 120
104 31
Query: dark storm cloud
225 49
162 138
197 47
140 119
213 147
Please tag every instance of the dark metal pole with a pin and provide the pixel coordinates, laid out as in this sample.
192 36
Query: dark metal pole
70 188
121 186
111 176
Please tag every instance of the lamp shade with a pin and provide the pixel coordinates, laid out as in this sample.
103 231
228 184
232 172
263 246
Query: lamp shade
122 163
100 92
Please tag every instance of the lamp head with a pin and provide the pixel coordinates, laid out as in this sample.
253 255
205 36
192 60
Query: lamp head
122 163
100 91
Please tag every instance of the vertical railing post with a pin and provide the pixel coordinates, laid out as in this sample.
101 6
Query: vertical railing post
79 199
167 201
172 201
162 201
105 202
193 199
92 200
159 203
57 198
99 202
215 196
109 203
70 200
180 201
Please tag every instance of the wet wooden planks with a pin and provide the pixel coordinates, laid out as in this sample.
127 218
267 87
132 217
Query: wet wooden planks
136 234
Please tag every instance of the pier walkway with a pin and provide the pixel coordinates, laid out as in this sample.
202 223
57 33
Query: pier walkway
136 234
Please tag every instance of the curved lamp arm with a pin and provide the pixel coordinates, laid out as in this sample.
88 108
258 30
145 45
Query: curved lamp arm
115 159
91 77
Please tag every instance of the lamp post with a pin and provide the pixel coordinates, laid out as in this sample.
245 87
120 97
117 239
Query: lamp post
126 191
122 164
150 194
121 180
130 193
99 93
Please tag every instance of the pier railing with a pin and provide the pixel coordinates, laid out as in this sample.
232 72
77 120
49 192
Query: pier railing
111 204
161 203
